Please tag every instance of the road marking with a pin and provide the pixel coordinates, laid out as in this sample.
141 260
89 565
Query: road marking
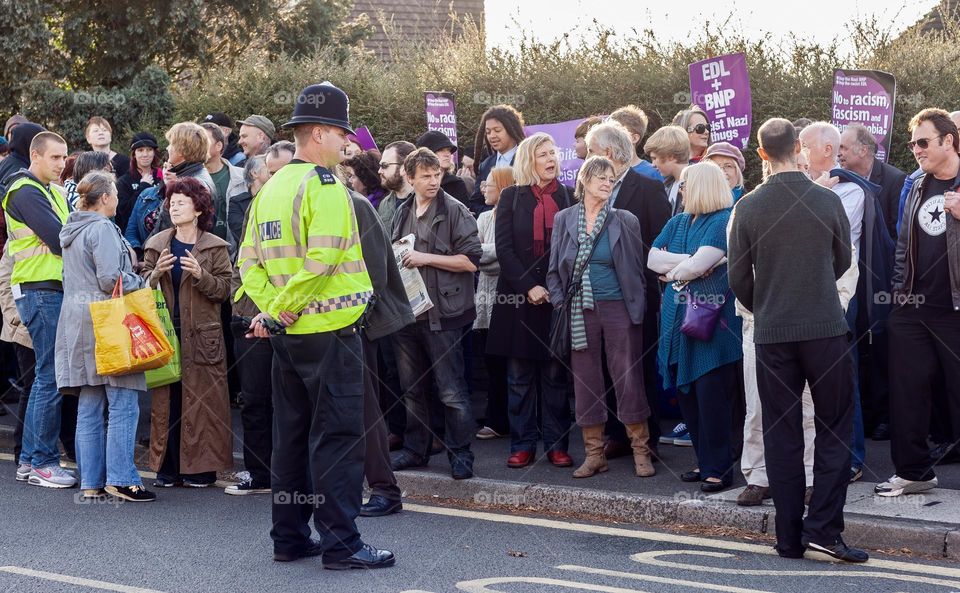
480 585
654 579
62 578
670 538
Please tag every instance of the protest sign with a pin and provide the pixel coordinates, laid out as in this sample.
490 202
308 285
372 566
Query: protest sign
721 87
865 97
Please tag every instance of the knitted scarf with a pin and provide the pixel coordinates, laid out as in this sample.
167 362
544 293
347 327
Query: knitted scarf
543 216
583 298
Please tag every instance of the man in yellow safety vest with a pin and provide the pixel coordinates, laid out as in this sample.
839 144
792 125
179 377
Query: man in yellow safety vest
34 211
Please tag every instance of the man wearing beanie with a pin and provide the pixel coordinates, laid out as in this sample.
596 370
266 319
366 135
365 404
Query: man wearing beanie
444 149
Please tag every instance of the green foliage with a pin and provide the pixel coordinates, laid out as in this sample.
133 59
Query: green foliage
26 45
145 104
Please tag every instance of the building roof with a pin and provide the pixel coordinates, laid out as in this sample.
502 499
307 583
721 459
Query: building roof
417 19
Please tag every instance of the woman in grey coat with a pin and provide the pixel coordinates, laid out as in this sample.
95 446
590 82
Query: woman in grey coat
94 257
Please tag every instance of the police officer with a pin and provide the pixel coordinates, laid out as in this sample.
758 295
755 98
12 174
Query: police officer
302 265
35 211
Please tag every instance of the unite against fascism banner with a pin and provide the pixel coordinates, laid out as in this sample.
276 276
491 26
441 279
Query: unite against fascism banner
562 133
721 87
865 97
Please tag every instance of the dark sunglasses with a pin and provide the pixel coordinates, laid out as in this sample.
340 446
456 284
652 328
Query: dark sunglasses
923 143
699 129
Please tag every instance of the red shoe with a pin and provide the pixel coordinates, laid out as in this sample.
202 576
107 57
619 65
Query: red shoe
520 459
560 458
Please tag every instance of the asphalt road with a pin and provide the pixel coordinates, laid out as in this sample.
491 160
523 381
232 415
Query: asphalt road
205 541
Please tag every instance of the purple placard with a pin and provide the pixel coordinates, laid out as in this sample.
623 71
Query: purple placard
441 113
865 97
721 87
562 133
365 138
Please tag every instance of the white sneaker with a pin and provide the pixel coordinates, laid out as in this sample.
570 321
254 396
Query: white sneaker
486 433
895 486
23 472
52 476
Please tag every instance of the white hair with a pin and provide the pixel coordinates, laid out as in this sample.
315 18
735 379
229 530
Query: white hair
611 135
823 133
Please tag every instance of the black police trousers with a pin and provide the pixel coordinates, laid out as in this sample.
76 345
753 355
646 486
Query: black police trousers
317 462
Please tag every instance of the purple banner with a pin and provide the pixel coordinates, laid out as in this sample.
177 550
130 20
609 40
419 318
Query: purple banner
721 87
441 114
365 138
562 133
865 97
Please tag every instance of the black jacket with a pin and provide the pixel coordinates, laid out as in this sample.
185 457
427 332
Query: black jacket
903 271
890 179
646 199
455 186
517 328
19 157
128 190
389 310
476 203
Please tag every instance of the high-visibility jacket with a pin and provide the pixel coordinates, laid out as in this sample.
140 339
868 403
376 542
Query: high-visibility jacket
32 259
301 251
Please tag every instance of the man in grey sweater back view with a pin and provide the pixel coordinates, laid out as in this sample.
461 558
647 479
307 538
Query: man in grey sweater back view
789 243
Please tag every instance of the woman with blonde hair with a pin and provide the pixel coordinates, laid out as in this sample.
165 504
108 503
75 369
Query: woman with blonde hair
520 324
495 422
596 273
695 121
700 335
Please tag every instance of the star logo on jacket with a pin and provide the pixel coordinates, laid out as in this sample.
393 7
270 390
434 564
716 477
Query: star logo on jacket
931 217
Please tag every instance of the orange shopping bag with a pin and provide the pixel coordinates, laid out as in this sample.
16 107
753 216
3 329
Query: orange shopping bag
128 333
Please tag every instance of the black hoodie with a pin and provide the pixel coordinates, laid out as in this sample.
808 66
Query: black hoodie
19 157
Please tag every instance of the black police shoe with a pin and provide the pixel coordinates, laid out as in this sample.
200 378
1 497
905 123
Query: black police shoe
460 469
839 550
405 459
378 506
945 453
314 548
366 557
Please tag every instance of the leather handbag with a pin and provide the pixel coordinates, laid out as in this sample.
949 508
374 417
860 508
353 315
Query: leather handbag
700 317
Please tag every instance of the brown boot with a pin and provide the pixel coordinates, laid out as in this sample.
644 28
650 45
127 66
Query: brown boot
593 445
639 435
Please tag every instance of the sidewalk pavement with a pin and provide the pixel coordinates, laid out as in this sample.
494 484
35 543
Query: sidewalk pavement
927 523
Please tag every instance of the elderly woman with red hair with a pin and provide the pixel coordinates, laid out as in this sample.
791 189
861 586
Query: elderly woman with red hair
190 435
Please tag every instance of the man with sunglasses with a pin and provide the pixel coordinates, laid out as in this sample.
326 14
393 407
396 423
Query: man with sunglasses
392 179
924 326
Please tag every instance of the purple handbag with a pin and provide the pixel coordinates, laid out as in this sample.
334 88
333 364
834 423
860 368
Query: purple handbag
700 318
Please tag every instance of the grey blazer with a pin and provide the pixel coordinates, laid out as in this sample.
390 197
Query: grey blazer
623 230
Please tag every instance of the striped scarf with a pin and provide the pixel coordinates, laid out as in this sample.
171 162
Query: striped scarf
583 298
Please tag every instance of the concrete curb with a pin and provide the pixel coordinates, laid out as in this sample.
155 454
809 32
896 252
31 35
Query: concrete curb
867 531
875 533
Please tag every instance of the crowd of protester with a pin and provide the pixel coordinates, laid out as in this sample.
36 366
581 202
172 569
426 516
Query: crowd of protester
790 321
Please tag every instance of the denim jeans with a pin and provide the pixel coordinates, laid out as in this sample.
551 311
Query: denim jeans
105 457
421 353
40 310
858 445
525 378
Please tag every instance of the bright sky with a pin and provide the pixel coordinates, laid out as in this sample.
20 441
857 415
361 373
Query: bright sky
819 20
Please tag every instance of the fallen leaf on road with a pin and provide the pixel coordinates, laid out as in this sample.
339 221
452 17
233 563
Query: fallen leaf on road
516 553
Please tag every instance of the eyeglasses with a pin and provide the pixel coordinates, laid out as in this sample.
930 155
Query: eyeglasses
387 165
923 143
699 129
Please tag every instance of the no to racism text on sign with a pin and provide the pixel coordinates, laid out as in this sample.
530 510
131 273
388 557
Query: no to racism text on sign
865 97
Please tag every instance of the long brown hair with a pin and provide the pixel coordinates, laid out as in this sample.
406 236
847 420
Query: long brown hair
512 121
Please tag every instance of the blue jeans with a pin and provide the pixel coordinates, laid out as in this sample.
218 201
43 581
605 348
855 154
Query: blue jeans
105 457
420 354
524 376
40 311
858 445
